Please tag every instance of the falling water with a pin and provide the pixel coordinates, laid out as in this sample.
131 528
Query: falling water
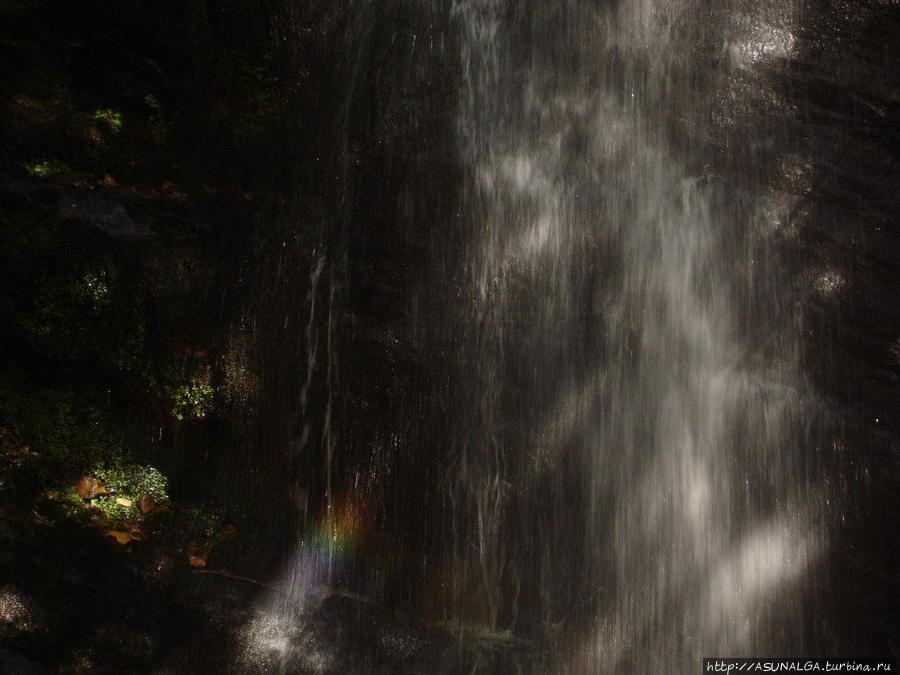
630 480
629 466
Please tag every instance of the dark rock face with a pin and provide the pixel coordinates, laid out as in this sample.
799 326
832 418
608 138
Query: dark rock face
15 664
110 217
844 85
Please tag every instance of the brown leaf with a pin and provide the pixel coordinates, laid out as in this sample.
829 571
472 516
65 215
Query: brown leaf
123 538
197 555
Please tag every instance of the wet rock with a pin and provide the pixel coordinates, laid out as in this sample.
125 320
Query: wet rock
124 644
110 217
18 613
89 487
146 504
16 664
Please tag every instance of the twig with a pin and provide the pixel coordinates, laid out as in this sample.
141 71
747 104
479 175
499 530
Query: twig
236 577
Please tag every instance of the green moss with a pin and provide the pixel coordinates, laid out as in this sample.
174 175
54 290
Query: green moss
71 503
160 125
95 289
69 312
192 400
48 168
113 510
199 525
60 424
112 119
131 480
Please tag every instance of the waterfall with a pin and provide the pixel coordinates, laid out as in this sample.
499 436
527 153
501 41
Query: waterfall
631 463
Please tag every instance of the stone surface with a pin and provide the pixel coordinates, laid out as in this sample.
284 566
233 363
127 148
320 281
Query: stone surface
89 487
146 504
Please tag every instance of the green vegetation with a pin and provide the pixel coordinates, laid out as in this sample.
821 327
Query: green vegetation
48 168
70 314
112 119
194 524
159 124
60 423
193 400
131 480
95 288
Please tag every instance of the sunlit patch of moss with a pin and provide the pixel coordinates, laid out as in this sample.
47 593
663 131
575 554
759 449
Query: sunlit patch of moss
124 483
72 506
193 400
48 168
111 118
131 480
69 500
113 510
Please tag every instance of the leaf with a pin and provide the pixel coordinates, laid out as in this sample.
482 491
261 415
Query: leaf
123 538
197 555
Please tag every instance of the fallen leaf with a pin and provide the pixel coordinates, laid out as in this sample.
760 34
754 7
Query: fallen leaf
197 555
123 501
122 538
